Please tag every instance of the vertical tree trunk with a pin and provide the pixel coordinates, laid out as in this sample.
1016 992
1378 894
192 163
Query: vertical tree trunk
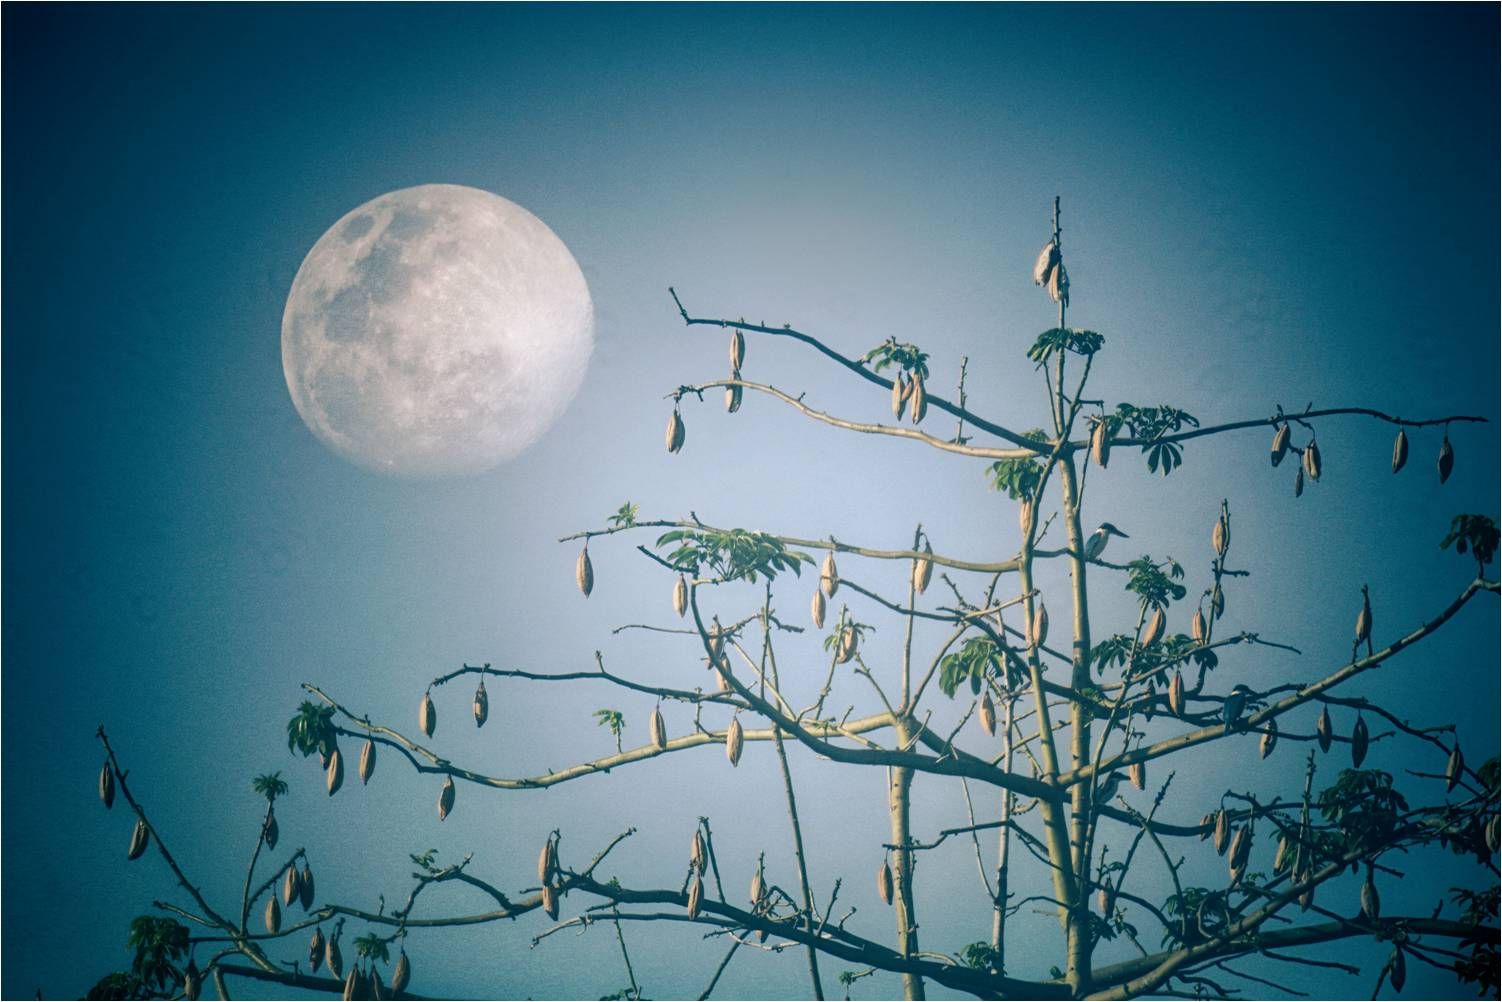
1078 971
899 788
1004 842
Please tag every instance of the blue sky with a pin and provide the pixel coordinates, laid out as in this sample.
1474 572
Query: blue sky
1262 205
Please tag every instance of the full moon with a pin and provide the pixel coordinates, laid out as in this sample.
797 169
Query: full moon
436 331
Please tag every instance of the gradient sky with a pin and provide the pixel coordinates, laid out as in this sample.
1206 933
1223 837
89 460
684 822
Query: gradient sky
1262 206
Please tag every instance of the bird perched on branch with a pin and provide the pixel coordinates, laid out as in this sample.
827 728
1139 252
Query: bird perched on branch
1106 789
1235 705
1096 543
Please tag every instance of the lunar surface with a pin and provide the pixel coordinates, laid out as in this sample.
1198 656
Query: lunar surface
436 331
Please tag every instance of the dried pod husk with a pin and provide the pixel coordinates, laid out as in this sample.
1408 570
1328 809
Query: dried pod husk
290 886
884 882
923 570
1399 450
1153 630
107 786
1324 730
900 391
1280 444
427 715
334 778
1150 702
1217 601
272 831
273 915
721 675
829 575
733 396
446 797
305 887
1313 462
550 901
1048 260
659 730
734 740
352 984
333 957
1040 626
680 596
1397 969
758 887
1359 740
1364 621
315 950
675 431
367 761
402 975
481 705
1100 443
918 405
373 983
1494 832
1283 856
1208 824
1371 903
1269 738
1176 694
1137 772
140 838
1454 768
192 980
988 714
584 573
1306 897
737 350
1446 459
696 854
547 861
695 897
1058 284
1104 897
1240 851
1025 516
1222 831
844 648
1197 631
1298 482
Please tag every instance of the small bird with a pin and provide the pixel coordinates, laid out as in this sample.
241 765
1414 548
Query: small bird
1106 789
1235 704
1096 544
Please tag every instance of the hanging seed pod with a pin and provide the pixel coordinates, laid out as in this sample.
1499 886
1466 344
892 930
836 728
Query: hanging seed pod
1151 700
1399 450
733 396
335 775
1058 284
918 405
333 957
290 886
1025 516
900 390
1494 832
1154 628
1220 536
884 882
987 714
1298 482
547 861
1397 969
829 575
1454 768
1048 260
1313 463
427 715
107 786
1280 444
1176 695
1446 459
758 886
367 761
1138 774
140 838
481 705
1100 443
192 981
373 983
696 854
1371 904
1208 824
1040 626
846 647
352 984
1197 627
1241 850
1103 897
446 798
315 950
695 897
675 432
1306 899
659 729
584 573
1269 738
402 975
273 915
923 570
734 739
550 901
1217 601
1283 856
1359 739
817 608
680 596
1222 832
1364 618
722 681
737 350
272 832
1324 730
305 887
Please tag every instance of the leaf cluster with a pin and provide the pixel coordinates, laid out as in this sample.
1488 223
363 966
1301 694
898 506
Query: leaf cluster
1476 533
1019 478
733 555
625 516
977 659
611 719
312 729
372 946
1071 339
1366 807
1151 424
1155 586
270 785
890 352
158 944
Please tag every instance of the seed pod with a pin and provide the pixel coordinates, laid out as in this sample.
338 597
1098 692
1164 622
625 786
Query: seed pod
481 705
675 432
1048 260
900 390
107 786
584 573
547 861
733 397
1217 601
1207 823
696 855
1154 628
1040 626
1197 627
1306 899
1454 768
1298 482
1025 516
680 596
352 984
402 976
988 714
1324 730
333 957
315 950
918 406
1150 702
1371 903
140 838
367 761
1313 465
695 896
446 798
1176 695
1364 619
192 980
1446 459
1359 741
1397 969
272 831
758 887
1241 850
373 983
1269 738
290 886
1222 831
659 729
845 646
1399 450
737 350
923 570
722 682
734 738
305 887
273 916
1137 771
829 576
1283 856
1494 832
1220 536
1058 284
1280 444
550 901
427 715
884 882
1100 443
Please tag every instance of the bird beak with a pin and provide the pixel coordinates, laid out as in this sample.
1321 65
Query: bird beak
1120 533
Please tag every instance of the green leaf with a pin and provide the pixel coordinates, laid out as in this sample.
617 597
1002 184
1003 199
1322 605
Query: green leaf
625 517
1476 533
311 729
1071 339
269 785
